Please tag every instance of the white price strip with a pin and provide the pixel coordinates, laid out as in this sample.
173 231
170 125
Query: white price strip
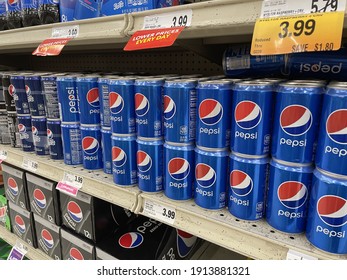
73 180
276 8
159 212
168 20
66 31
18 252
294 255
3 155
30 165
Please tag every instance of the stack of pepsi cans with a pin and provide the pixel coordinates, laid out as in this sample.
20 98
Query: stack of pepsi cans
4 119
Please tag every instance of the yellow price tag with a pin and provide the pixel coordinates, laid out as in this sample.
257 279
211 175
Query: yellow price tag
303 33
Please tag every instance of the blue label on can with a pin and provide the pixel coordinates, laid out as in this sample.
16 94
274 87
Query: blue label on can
54 139
107 149
87 9
29 4
66 10
49 2
13 5
71 135
39 130
25 133
68 102
113 7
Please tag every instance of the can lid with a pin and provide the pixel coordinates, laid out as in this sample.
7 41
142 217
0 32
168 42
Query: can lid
330 174
179 144
181 81
303 83
293 164
53 120
249 156
107 128
38 117
216 82
254 83
24 115
337 84
205 149
150 139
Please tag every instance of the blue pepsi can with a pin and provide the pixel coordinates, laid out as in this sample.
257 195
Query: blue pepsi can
66 10
149 158
49 88
104 101
87 9
67 96
35 96
180 111
55 142
91 147
39 130
25 133
148 107
72 143
214 114
211 178
88 96
178 171
122 105
287 197
332 141
106 145
296 120
17 90
124 160
248 181
326 221
252 106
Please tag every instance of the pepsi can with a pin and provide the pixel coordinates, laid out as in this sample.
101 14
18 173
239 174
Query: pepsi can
88 96
54 139
106 145
91 147
178 171
104 101
72 143
332 140
8 91
35 96
25 133
148 107
13 129
248 181
49 88
214 114
124 160
17 90
39 130
296 120
211 178
287 197
252 105
122 105
150 164
87 9
326 222
67 96
179 111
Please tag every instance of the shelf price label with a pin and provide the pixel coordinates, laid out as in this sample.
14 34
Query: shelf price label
159 212
66 31
18 252
168 20
294 255
3 155
70 184
30 165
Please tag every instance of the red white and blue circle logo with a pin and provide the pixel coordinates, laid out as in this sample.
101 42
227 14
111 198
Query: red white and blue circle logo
47 238
144 161
90 145
119 157
49 134
116 103
332 210
210 111
130 240
21 128
178 168
336 126
185 243
247 114
141 104
12 186
27 90
292 194
74 211
75 254
205 175
20 225
93 97
11 88
240 182
39 198
12 2
169 107
34 130
296 120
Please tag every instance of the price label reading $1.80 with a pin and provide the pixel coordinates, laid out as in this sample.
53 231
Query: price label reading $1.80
160 212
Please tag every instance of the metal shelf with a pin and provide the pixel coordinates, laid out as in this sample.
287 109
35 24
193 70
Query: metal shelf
95 183
33 254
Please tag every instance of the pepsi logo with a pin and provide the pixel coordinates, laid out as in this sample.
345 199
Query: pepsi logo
20 225
141 104
336 126
169 107
332 210
185 243
47 238
144 161
247 114
11 88
39 198
12 2
178 168
296 120
116 103
12 186
75 254
34 130
205 175
240 182
130 240
119 157
292 194
93 97
49 134
27 90
74 211
210 111
21 128
90 145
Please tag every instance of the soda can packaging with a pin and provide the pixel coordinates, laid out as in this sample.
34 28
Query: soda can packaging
75 248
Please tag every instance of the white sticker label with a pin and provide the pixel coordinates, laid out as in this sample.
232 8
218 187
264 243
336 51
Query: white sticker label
73 180
18 252
160 212
66 31
294 255
3 155
30 164
276 8
167 20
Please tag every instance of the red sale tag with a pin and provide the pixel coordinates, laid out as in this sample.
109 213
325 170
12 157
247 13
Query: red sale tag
153 38
51 47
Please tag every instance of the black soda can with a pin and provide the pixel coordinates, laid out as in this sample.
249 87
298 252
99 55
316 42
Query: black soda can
30 15
14 14
49 11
